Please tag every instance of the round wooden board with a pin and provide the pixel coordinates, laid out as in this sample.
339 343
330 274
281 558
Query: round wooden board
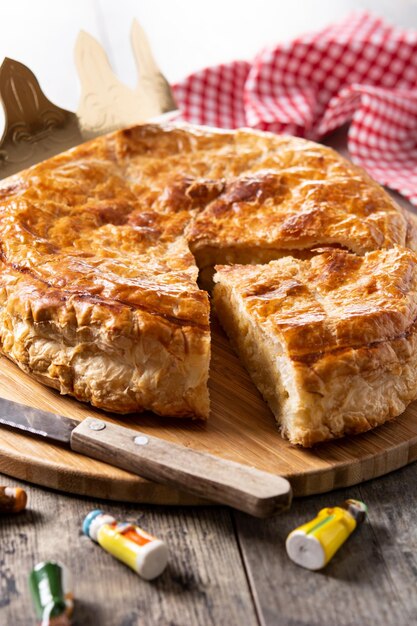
241 428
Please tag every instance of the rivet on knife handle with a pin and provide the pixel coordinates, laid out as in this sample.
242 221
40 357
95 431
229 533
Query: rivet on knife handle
226 482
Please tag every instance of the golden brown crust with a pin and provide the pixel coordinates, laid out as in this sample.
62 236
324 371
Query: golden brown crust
98 245
333 301
344 327
299 195
98 288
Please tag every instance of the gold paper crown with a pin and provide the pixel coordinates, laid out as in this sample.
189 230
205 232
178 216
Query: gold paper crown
36 129
107 104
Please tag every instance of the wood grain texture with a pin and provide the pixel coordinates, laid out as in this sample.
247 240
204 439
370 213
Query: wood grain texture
371 580
201 588
220 562
241 428
243 487
204 582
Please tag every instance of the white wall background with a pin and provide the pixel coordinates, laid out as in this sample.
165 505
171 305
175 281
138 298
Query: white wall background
185 34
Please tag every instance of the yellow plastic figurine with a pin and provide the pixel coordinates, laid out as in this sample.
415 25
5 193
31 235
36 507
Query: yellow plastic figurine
145 554
313 544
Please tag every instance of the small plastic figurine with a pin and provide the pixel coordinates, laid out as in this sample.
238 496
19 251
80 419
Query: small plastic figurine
145 554
49 585
313 544
12 499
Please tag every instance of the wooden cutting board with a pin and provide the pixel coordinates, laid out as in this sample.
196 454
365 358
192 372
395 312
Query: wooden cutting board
241 428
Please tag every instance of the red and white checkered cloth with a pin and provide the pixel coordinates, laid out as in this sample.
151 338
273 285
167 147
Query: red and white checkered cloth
360 70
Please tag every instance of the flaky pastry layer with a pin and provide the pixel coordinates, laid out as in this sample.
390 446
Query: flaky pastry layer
330 342
101 248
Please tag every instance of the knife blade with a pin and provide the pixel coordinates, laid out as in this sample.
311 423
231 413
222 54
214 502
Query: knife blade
51 130
245 488
55 428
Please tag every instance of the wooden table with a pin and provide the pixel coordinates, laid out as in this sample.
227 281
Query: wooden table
225 568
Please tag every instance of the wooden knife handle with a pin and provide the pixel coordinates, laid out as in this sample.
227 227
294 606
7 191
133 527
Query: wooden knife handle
226 482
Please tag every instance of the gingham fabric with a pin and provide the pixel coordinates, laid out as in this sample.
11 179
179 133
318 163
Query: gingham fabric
360 70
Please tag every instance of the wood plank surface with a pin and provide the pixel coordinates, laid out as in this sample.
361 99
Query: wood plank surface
374 577
371 580
241 428
204 582
219 565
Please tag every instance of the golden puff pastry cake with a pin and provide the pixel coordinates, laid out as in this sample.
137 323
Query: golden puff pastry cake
99 297
331 342
101 247
253 196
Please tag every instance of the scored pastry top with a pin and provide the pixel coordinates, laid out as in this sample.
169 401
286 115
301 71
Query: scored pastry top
115 218
249 189
101 248
334 300
76 227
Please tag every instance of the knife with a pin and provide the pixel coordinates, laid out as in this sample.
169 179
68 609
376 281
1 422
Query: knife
36 129
225 482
